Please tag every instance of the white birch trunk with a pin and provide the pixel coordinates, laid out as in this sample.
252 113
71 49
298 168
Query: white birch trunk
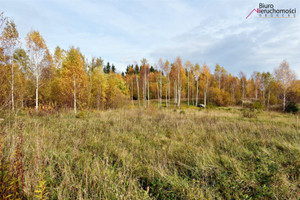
175 92
197 94
188 89
75 107
148 92
37 92
160 91
132 90
179 96
284 99
12 87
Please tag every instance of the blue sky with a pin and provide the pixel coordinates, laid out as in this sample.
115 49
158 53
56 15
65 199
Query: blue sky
125 31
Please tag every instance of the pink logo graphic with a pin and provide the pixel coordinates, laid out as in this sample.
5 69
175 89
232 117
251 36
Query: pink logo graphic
256 10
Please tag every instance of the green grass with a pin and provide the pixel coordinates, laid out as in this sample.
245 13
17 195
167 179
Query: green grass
158 154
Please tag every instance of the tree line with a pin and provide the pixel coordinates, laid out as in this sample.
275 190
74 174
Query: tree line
170 82
30 76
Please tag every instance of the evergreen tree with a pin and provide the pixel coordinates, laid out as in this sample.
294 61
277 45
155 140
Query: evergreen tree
107 68
152 69
113 68
137 69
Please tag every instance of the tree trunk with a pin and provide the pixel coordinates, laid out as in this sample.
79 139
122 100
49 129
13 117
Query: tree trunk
188 89
219 82
98 98
138 89
175 92
12 87
166 97
75 108
132 90
148 92
179 88
179 95
160 91
37 92
232 95
197 94
169 91
284 99
255 91
264 98
205 92
204 98
268 104
193 100
243 97
157 87
98 103
158 95
145 90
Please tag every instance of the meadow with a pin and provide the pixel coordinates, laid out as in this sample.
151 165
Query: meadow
150 153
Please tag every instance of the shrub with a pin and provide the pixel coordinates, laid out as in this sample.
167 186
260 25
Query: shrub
11 171
257 106
80 115
220 98
292 107
249 113
210 105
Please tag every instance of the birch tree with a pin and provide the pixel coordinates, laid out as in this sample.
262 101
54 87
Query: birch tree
188 66
197 72
74 76
243 85
10 37
144 73
37 50
59 55
161 65
218 75
256 78
180 74
168 90
130 75
136 71
233 81
284 76
268 82
22 60
206 77
98 87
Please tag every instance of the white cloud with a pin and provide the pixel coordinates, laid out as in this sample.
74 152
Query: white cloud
122 32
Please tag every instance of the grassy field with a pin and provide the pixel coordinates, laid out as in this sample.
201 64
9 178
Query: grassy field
153 154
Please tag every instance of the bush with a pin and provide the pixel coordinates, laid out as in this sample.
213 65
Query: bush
249 113
220 98
11 170
182 112
210 105
80 115
257 106
292 107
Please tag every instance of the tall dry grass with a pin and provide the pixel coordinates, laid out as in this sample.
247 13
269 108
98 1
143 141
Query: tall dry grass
157 154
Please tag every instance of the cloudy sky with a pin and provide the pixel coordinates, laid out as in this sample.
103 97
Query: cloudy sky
124 31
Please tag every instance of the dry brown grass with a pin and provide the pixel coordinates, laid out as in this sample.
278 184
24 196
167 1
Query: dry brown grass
158 154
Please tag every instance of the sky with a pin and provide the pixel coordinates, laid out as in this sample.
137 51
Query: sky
123 32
